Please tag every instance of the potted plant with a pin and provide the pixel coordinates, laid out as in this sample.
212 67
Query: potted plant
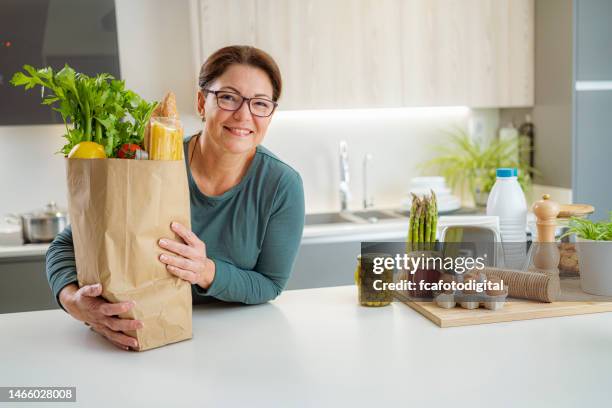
469 165
594 247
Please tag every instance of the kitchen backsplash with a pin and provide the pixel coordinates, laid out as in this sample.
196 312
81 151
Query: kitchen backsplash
398 139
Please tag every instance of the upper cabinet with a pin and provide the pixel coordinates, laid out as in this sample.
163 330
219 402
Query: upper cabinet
384 53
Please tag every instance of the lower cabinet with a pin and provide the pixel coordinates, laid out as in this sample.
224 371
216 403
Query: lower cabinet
24 286
331 260
325 264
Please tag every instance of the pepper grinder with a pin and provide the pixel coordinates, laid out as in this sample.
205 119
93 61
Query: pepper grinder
545 254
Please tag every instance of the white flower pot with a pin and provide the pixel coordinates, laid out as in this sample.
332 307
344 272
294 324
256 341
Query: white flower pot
595 261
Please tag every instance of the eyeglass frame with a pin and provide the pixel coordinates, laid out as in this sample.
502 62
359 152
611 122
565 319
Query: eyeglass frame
244 98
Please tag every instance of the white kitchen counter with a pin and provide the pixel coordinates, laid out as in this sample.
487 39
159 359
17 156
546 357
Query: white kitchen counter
317 348
23 250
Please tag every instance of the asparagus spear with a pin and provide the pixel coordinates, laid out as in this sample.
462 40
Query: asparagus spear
411 236
415 227
422 223
434 221
411 222
427 222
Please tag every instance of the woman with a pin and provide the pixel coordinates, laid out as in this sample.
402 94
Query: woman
247 206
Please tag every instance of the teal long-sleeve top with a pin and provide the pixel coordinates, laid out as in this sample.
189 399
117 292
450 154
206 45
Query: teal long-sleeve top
252 233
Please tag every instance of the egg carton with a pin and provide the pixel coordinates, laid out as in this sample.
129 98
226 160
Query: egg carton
470 300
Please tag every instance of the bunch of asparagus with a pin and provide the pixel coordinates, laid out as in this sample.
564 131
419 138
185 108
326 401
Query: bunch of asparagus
423 223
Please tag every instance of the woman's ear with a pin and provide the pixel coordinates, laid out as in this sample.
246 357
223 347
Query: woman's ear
201 105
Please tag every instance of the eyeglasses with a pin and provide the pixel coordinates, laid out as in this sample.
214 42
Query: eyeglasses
232 101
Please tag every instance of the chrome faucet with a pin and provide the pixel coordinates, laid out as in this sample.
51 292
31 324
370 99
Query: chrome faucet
345 192
368 199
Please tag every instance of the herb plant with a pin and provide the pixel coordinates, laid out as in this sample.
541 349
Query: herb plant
97 109
468 163
587 229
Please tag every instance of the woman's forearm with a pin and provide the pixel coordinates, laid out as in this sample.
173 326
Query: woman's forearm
60 263
66 296
233 284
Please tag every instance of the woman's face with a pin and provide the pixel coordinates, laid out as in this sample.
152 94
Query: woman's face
239 131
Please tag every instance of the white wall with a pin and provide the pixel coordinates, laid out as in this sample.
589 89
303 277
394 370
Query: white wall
399 139
156 55
30 173
155 49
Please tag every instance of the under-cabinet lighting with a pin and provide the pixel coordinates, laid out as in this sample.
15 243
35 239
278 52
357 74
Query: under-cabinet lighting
415 112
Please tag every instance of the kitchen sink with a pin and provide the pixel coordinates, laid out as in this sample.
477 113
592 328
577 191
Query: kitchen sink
350 217
327 218
374 215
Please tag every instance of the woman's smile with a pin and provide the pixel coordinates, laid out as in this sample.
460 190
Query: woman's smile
238 131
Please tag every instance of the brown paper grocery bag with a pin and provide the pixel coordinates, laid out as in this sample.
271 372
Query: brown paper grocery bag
119 209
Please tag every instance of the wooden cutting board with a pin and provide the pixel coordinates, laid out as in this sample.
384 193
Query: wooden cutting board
515 309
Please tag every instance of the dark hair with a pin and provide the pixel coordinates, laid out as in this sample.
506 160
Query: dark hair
221 59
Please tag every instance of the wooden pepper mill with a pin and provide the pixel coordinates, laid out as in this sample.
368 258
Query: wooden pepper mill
546 253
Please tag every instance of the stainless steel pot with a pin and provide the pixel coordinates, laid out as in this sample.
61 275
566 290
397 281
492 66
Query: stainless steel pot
43 226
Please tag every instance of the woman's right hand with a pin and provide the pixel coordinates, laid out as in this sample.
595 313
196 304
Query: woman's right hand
86 305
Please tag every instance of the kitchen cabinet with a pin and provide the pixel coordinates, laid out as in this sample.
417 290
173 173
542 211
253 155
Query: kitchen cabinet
478 53
23 285
383 53
320 265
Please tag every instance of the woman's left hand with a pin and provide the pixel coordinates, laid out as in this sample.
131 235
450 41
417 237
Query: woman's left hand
190 262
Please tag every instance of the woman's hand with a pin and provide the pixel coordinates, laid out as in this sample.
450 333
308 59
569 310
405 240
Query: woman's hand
86 305
190 263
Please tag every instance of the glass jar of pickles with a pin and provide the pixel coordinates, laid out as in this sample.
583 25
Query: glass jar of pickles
372 287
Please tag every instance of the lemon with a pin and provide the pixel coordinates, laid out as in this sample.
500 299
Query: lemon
87 150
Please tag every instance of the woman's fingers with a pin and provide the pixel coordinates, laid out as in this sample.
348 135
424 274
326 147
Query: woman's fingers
177 261
118 324
184 274
188 236
178 248
113 309
118 339
90 290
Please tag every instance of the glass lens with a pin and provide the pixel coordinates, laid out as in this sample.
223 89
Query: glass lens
232 101
261 107
229 100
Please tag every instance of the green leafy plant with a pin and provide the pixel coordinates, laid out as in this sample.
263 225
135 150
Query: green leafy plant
466 163
97 109
593 230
